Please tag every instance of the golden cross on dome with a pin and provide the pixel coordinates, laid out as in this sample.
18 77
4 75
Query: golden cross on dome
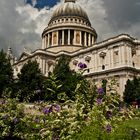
70 1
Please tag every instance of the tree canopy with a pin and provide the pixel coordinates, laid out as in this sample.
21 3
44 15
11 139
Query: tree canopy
132 91
30 82
6 72
67 77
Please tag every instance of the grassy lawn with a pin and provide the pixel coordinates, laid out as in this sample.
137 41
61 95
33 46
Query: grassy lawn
135 123
126 131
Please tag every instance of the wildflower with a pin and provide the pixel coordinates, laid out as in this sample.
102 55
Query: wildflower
82 65
37 120
99 101
5 117
15 120
108 128
51 109
108 114
100 90
46 110
57 108
2 102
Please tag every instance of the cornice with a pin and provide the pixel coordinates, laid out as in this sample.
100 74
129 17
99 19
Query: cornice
109 71
70 26
111 41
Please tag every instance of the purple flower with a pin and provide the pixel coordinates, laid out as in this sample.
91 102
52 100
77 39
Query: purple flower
57 108
108 128
82 65
51 108
108 114
5 117
100 90
15 120
46 110
99 101
37 120
2 102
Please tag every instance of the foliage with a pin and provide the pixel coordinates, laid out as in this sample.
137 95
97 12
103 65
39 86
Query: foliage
30 82
94 131
132 91
52 89
100 114
6 72
67 77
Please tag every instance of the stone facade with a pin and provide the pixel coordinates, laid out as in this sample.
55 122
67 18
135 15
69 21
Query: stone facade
69 32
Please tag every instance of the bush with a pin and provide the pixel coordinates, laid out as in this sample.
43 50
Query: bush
69 120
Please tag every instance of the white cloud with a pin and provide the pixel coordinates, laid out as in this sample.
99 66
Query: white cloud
22 25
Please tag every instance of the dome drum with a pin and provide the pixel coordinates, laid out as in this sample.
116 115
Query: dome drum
68 37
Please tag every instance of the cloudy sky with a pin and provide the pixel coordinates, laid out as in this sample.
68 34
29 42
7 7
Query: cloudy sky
22 21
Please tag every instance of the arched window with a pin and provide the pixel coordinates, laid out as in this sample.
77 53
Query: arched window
54 39
77 38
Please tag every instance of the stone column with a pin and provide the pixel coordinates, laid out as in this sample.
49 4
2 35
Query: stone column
52 39
95 60
48 40
43 43
74 43
119 53
112 57
63 37
57 37
111 62
92 39
80 37
47 67
85 39
123 54
130 56
89 39
68 37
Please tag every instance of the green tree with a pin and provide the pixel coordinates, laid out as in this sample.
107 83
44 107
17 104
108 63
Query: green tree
6 72
52 88
30 82
132 91
67 77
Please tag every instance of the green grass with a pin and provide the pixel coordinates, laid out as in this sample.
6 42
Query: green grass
135 123
128 130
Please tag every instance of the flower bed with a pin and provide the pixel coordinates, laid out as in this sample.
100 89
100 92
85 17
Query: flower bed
55 121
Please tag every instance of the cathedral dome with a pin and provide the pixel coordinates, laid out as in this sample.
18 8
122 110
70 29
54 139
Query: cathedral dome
69 9
69 29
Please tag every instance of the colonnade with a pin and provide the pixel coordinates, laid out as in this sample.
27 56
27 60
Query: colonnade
67 37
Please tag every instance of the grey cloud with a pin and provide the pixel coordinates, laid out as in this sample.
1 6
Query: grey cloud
113 17
123 13
108 17
11 23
